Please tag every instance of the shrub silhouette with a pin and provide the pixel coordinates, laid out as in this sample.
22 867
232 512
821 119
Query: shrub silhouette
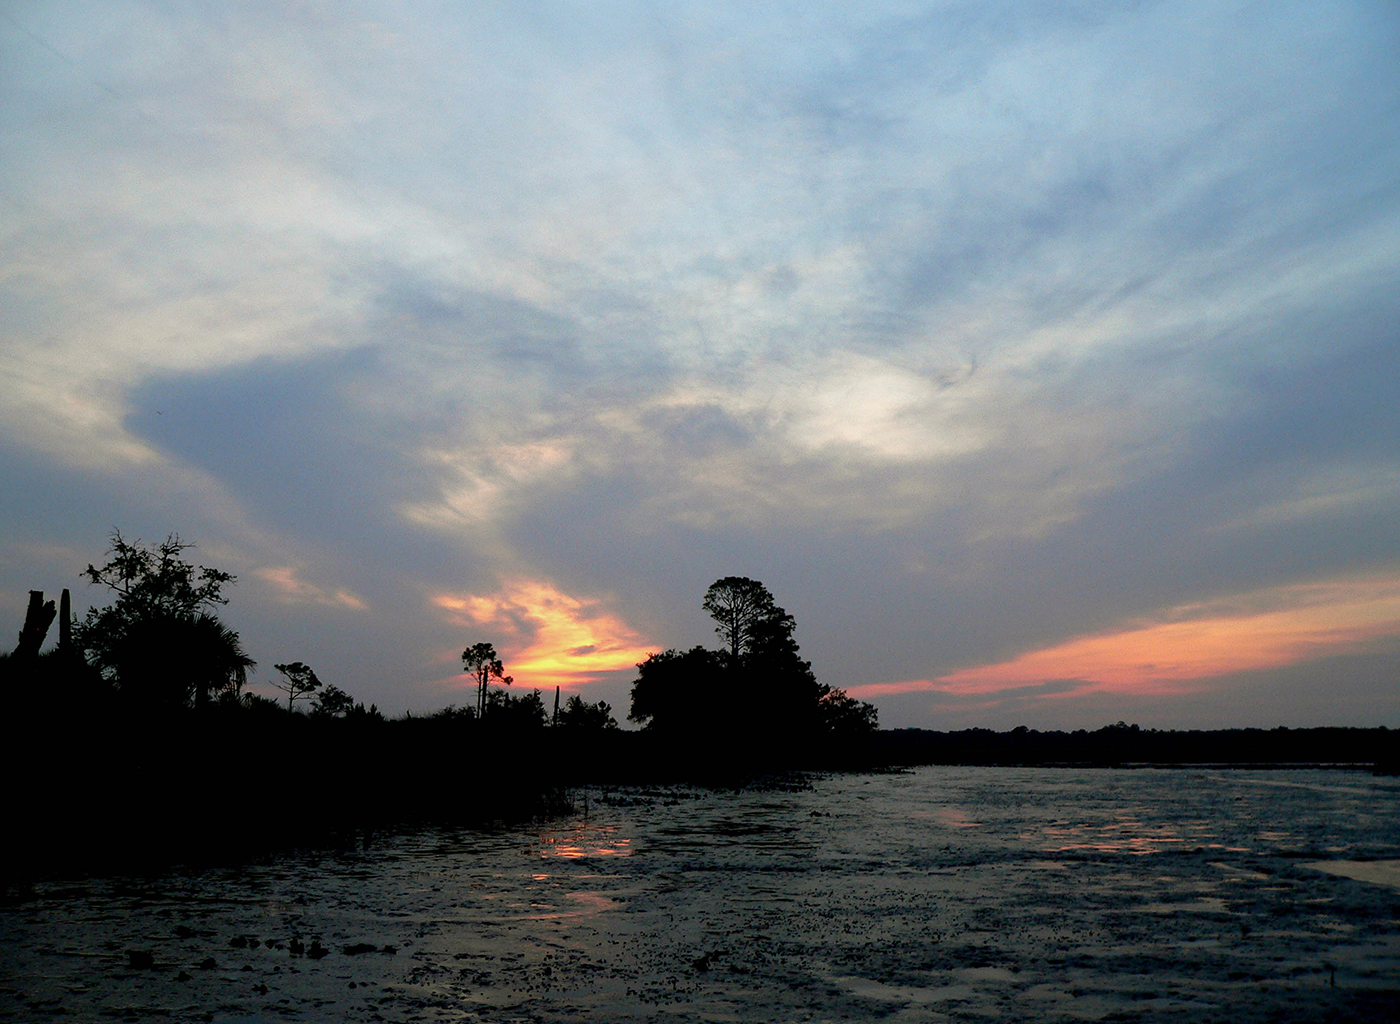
505 713
581 716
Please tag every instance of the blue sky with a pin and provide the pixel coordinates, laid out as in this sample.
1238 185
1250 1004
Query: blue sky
1040 358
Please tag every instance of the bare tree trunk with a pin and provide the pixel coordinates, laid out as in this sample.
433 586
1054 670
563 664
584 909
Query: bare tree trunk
37 619
65 623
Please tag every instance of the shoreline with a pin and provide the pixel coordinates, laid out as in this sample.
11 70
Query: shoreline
121 793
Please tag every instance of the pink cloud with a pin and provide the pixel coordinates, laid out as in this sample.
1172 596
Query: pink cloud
1187 645
1266 629
867 690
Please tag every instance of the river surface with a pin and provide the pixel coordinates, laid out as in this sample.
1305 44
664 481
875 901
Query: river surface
986 894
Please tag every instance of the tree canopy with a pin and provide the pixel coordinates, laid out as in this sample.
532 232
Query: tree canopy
160 640
480 660
741 608
299 682
154 578
678 690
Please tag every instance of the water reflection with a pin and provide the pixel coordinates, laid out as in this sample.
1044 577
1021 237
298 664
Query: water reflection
584 840
579 906
1125 835
950 817
943 893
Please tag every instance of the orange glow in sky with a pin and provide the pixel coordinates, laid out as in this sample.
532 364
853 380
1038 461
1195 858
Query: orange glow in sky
1267 629
546 637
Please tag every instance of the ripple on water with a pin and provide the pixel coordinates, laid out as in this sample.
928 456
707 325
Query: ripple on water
995 894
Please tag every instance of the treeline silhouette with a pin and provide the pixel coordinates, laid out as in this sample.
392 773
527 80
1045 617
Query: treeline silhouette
133 742
1128 745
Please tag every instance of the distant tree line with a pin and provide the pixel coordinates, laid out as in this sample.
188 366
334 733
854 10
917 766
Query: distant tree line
1121 744
505 711
160 648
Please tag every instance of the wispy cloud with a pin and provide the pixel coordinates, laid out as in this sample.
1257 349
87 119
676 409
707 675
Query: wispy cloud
986 322
289 587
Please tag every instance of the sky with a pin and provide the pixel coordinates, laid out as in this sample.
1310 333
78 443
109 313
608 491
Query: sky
1040 358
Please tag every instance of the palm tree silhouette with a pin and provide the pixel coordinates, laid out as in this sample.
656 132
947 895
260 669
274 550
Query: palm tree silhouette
178 660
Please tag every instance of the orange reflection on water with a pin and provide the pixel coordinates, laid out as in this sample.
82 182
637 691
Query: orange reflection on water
585 841
1127 835
584 904
955 817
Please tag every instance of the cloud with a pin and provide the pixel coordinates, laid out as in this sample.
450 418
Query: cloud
478 485
972 327
1199 642
866 691
288 587
551 638
965 698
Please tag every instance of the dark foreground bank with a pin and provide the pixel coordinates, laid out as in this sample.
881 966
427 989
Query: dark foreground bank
127 791
115 790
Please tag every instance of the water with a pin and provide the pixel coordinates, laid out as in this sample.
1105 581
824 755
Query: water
940 894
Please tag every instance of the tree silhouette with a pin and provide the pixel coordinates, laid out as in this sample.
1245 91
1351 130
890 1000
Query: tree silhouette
213 657
740 607
759 687
764 663
300 682
676 691
333 702
840 714
480 660
159 641
149 579
172 660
